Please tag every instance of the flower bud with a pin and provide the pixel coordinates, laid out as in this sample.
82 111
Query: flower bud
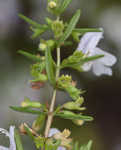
78 122
79 101
52 4
42 46
28 103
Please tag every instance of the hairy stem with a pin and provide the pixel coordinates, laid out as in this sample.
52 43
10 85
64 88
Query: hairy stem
50 114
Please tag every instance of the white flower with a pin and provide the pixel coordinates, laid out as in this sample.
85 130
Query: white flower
55 131
88 45
9 134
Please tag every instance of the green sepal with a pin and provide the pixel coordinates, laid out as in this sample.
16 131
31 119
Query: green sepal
30 56
30 21
76 105
72 60
70 115
38 31
49 66
77 59
39 142
27 110
76 36
52 144
70 27
65 83
18 140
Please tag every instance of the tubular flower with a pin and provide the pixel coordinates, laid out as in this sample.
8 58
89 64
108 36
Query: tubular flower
88 46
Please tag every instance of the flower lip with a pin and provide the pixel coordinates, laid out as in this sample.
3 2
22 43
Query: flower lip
88 46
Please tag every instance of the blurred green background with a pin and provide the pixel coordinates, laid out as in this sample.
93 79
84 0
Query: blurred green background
103 96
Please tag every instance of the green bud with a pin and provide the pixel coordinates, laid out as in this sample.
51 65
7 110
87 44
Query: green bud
67 112
42 46
78 122
79 101
57 27
28 103
76 36
69 105
52 4
73 106
49 21
51 43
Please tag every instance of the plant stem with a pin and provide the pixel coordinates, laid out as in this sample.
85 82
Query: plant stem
50 114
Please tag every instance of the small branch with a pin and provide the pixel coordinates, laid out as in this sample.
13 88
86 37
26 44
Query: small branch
50 114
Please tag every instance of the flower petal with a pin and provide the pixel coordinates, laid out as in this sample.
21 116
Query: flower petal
53 131
108 58
61 148
89 41
100 69
3 131
3 148
11 137
87 66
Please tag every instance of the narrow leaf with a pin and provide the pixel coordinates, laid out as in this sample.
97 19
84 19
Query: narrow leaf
84 30
76 146
49 66
64 5
18 140
91 58
74 116
26 110
70 27
30 21
30 56
89 145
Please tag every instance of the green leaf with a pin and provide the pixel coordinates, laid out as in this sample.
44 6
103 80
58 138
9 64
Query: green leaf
39 31
70 27
84 30
18 140
30 56
49 66
76 146
64 5
70 115
86 147
91 58
26 110
30 21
